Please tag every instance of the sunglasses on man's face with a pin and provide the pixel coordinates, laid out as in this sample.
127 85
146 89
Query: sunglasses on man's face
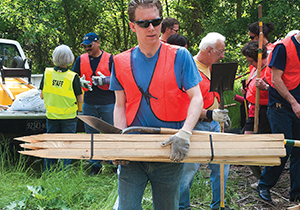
146 23
252 37
176 31
87 46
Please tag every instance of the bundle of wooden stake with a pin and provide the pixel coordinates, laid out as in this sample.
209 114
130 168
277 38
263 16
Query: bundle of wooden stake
205 147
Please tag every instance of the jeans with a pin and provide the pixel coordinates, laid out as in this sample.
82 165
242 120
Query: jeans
59 126
283 120
190 169
164 179
104 112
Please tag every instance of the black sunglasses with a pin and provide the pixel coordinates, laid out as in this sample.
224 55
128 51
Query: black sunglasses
146 23
85 46
175 30
252 37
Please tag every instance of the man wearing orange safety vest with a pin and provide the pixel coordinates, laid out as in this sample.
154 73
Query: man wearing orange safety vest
94 69
212 50
156 85
284 113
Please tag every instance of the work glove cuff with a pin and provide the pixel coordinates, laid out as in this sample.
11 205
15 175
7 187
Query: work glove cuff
186 135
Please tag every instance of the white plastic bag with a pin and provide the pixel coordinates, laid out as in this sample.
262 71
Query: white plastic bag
28 101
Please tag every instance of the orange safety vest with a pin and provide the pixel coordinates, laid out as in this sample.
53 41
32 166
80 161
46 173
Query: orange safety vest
291 75
103 67
251 91
208 97
167 102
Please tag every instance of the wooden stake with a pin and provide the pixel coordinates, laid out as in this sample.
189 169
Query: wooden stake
256 114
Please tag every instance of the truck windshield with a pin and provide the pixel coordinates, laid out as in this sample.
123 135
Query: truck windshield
10 55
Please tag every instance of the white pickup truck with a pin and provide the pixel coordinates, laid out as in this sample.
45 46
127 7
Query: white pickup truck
16 78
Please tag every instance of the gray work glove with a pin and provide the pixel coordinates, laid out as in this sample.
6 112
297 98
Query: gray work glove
180 143
101 79
220 115
84 83
120 162
227 124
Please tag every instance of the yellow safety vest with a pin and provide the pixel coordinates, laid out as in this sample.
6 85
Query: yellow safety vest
60 100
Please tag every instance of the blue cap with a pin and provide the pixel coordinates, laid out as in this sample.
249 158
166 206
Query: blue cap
89 38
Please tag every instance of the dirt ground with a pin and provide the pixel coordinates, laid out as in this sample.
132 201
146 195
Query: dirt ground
248 197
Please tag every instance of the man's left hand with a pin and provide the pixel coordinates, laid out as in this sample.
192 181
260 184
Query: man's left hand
98 80
180 143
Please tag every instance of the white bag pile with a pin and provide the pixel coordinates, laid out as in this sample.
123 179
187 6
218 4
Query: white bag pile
28 101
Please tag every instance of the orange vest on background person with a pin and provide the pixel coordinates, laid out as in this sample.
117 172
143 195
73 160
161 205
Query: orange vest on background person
270 46
170 103
103 67
251 92
291 76
208 97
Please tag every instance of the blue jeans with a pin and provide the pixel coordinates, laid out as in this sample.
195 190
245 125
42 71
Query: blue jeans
164 178
190 169
104 112
59 126
283 120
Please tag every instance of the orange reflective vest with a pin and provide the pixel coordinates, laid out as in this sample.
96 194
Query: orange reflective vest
103 67
208 97
291 74
251 91
167 102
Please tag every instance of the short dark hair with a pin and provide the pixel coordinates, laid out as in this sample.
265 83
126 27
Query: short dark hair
251 50
267 28
177 39
133 4
168 22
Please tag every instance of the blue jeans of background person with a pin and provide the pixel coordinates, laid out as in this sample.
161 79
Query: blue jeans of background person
104 112
59 126
190 169
283 120
164 179
188 173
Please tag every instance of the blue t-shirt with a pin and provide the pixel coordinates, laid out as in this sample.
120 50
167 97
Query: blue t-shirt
187 76
278 61
97 96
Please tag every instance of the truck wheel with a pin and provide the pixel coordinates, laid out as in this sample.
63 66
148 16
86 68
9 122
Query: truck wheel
17 62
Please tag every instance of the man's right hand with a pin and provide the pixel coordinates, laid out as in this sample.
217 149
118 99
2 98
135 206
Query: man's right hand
220 115
86 84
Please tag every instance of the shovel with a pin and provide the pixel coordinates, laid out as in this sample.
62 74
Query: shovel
105 127
98 124
222 79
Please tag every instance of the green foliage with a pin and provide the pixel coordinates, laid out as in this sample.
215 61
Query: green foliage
41 25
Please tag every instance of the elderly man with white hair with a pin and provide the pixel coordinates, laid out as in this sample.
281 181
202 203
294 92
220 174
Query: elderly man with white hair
212 50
